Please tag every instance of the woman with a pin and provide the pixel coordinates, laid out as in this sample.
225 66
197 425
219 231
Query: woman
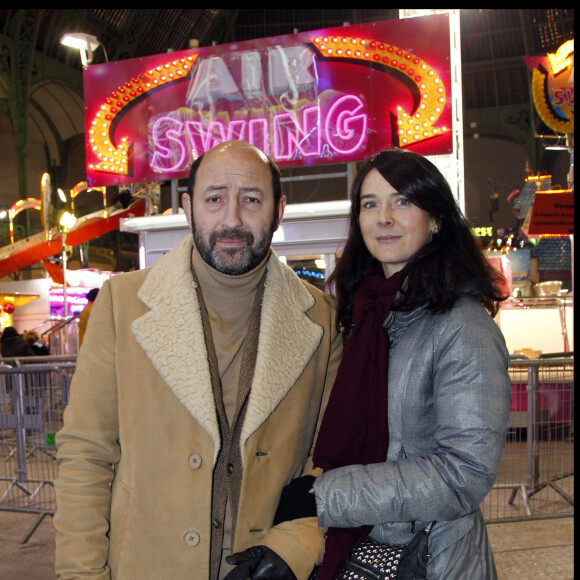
423 380
13 344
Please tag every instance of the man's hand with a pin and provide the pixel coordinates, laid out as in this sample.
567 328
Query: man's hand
259 563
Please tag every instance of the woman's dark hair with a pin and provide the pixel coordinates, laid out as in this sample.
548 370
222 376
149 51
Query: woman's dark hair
448 266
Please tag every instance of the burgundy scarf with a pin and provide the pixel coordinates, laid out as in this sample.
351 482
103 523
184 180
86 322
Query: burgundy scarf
355 427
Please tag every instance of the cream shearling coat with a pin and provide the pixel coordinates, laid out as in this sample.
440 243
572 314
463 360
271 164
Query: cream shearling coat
140 434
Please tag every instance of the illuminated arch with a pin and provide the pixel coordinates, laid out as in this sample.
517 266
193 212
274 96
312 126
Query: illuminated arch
19 206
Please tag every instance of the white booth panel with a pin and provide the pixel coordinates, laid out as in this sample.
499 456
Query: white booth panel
306 229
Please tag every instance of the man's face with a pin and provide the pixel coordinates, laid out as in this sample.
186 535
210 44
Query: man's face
233 210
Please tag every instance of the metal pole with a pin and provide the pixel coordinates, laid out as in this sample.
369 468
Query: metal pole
64 298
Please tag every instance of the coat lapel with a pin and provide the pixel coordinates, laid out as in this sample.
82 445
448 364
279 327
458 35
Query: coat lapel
171 334
288 340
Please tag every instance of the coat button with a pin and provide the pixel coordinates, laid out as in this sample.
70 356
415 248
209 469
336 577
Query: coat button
192 538
194 460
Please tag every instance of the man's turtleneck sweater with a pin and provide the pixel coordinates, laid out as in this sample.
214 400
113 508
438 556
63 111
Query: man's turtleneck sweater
229 301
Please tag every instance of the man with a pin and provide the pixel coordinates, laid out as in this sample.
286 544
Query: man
199 399
85 313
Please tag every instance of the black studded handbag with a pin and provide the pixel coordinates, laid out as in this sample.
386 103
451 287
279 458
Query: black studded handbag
372 560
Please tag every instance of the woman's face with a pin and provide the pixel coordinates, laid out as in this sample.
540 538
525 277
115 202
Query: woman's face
393 229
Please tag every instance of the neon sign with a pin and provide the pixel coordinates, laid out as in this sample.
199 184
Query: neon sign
342 128
553 87
326 96
114 158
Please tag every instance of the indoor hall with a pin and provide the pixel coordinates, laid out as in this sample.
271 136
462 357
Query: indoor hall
509 149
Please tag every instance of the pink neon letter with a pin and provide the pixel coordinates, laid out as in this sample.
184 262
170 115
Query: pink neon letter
166 133
204 139
258 134
289 136
345 130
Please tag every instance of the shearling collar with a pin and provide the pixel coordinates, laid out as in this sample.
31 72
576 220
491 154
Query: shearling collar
171 335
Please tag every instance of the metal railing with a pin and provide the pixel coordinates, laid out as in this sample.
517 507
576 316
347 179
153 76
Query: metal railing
33 395
535 479
536 474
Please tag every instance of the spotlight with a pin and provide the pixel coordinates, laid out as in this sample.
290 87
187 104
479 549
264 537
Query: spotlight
67 221
84 43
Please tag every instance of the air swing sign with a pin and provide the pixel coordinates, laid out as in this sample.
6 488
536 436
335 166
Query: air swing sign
325 96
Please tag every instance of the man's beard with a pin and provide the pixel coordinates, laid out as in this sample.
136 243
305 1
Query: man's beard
233 261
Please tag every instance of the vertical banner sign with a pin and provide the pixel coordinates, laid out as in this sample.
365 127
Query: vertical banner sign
326 96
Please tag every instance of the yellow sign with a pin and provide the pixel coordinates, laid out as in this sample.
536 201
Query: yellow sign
553 87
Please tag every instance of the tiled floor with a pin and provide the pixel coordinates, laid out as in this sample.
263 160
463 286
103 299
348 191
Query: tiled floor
525 550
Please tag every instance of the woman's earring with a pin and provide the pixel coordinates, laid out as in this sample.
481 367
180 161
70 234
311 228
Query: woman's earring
435 231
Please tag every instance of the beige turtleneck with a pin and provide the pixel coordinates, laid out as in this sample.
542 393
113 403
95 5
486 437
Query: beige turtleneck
229 300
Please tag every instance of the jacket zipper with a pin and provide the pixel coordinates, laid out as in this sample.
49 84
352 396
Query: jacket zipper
358 568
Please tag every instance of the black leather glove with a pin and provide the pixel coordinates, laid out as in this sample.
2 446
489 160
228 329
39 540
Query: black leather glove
296 501
258 563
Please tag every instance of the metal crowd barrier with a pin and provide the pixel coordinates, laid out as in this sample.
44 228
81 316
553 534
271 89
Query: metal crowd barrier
33 395
536 474
535 479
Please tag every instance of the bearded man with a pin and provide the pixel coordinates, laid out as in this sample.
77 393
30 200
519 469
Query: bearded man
199 399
